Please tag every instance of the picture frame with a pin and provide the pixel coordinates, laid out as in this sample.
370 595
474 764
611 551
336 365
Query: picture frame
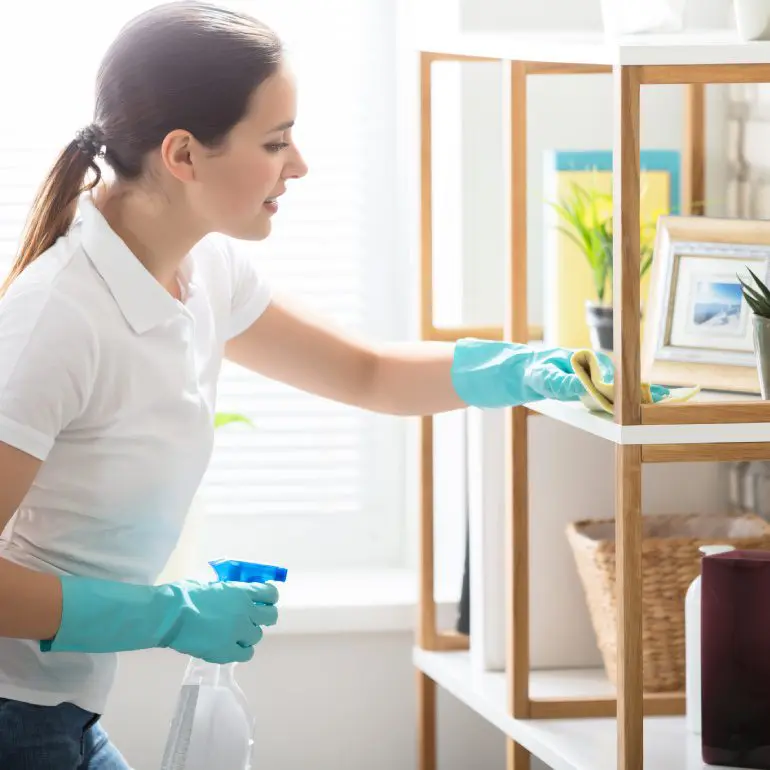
697 326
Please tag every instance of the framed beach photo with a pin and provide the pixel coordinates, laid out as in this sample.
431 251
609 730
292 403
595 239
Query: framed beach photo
697 326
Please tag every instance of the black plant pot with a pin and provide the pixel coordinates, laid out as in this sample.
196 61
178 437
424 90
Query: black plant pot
600 323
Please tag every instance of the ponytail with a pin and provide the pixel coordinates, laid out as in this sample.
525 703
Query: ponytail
54 207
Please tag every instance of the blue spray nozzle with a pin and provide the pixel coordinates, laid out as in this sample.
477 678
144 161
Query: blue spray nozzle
247 571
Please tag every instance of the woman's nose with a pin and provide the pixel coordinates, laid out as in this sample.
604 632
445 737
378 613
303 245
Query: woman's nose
296 167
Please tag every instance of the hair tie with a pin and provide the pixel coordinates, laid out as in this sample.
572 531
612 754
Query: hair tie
90 140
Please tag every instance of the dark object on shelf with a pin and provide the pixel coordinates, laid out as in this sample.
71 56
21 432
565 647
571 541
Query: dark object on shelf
735 665
600 325
464 607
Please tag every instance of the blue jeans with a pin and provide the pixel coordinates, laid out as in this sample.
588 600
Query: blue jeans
64 737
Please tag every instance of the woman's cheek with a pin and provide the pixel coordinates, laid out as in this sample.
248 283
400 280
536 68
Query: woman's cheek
256 180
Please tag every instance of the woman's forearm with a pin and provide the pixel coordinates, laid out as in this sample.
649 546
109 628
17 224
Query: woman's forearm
30 602
414 378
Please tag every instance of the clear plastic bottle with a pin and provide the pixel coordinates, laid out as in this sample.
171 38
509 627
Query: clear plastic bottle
692 624
213 726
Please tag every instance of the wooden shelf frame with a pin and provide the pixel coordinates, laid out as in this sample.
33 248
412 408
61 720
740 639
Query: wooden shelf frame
631 703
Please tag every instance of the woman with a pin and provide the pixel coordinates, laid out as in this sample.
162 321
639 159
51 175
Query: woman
114 321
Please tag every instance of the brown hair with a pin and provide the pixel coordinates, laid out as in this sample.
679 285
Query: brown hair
190 65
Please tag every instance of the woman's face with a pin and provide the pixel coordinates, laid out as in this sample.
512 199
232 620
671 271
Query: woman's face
237 186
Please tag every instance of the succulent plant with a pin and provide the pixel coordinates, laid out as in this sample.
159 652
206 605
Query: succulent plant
758 299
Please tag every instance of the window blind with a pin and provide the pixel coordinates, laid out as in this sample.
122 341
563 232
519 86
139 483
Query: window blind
331 245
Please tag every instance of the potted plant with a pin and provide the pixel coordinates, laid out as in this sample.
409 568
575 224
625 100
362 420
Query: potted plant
183 561
758 299
587 217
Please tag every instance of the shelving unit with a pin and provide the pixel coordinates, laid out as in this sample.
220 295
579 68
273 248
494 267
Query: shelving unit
577 721
585 743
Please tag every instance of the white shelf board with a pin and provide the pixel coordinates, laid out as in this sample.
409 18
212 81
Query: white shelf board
696 47
604 426
563 744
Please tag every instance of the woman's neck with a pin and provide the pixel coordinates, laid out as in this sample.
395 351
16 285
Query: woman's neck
158 233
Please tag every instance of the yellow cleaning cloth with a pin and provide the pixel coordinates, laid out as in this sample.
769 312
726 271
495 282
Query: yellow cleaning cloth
600 394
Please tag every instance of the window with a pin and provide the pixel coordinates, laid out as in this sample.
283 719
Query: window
314 484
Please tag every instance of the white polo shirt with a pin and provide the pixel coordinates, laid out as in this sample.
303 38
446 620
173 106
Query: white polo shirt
112 383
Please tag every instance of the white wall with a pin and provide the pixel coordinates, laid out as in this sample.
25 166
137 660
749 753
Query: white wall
748 147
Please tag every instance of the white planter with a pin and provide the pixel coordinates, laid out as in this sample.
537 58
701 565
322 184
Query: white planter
628 17
752 18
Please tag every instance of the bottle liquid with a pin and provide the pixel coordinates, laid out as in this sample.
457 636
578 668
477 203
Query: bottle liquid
736 664
213 726
692 626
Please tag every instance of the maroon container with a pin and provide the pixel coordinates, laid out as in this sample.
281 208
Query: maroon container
735 659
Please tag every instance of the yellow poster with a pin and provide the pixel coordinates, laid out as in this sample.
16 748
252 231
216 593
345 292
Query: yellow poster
568 277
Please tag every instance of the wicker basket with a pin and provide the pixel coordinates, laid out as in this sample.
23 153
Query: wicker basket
670 562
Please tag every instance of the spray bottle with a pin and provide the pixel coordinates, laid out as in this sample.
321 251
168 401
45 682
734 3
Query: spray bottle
213 726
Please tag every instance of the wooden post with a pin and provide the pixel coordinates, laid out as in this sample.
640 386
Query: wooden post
426 619
626 297
426 198
516 756
626 263
426 717
516 320
516 329
694 155
426 629
628 536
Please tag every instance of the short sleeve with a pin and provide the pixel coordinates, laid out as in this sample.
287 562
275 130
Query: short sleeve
48 355
249 292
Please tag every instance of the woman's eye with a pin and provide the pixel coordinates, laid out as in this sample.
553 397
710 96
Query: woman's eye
276 147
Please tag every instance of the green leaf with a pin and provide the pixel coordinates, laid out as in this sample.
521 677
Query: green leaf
765 291
587 215
574 213
646 264
753 299
755 306
571 236
573 218
226 418
749 290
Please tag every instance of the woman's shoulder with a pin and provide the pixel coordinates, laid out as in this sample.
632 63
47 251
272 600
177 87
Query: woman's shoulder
55 286
214 247
53 265
219 260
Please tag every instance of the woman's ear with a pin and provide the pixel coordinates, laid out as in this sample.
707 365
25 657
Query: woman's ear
177 151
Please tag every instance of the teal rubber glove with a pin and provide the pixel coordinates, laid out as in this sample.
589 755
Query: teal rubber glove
490 374
218 622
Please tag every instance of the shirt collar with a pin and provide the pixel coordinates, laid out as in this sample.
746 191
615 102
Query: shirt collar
144 303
